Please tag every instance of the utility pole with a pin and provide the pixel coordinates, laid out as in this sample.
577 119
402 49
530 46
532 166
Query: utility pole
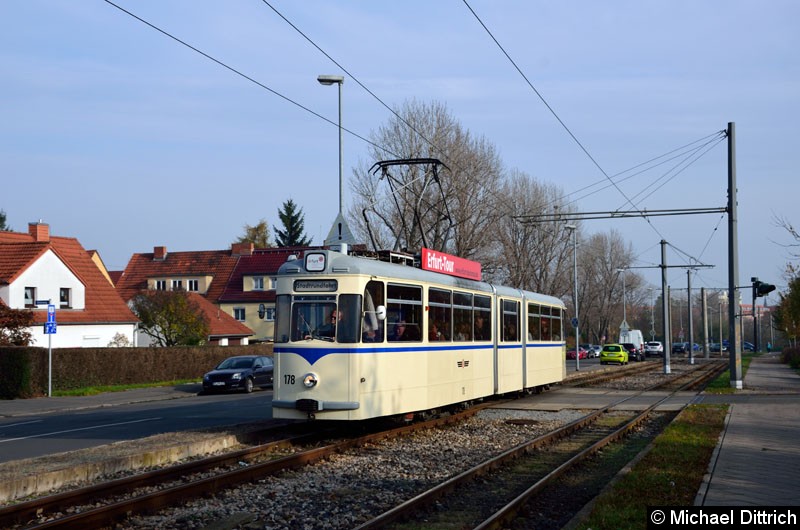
735 342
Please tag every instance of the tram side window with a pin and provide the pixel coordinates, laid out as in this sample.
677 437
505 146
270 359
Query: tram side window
462 316
349 318
510 320
534 322
372 329
440 318
556 323
404 312
546 323
483 317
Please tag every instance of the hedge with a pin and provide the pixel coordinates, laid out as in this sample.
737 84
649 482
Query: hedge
24 369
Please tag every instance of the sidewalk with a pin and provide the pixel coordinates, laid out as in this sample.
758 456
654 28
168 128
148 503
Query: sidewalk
45 405
757 462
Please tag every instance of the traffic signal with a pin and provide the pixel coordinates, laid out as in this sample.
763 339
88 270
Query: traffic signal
762 288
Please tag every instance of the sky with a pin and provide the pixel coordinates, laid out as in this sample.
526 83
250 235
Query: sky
122 137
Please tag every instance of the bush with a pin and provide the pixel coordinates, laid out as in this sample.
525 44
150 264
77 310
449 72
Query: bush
791 355
75 368
15 365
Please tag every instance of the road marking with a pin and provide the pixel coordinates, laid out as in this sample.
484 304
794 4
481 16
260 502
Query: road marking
76 430
23 423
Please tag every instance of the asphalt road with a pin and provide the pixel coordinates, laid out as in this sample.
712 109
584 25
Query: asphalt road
44 434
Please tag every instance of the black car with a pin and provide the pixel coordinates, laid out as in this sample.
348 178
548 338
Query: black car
243 372
634 353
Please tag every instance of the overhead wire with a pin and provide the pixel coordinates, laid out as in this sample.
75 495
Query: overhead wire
236 71
628 200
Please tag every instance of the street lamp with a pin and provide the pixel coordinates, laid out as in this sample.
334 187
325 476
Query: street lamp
337 80
340 233
574 230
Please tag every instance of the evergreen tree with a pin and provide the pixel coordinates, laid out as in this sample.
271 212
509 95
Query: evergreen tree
293 233
3 225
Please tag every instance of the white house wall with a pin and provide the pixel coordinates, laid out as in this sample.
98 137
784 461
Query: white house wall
48 274
82 335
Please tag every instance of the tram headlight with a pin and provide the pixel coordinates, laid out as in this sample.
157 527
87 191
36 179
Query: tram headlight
310 380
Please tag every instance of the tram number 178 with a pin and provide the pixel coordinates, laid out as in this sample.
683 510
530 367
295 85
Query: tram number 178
288 379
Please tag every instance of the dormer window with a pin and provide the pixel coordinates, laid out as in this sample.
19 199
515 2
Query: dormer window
273 283
258 283
193 285
177 285
161 285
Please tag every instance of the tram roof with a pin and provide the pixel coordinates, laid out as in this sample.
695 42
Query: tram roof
337 263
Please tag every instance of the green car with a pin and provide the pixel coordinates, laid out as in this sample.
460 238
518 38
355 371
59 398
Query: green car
614 353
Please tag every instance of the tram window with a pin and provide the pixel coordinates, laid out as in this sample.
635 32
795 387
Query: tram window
404 311
372 329
462 316
283 305
556 323
349 318
483 317
510 320
440 320
546 323
534 321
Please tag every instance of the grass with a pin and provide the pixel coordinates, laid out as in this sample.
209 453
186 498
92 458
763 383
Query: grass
722 384
94 390
671 473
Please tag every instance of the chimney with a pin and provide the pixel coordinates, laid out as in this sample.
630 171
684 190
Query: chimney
159 253
40 232
242 249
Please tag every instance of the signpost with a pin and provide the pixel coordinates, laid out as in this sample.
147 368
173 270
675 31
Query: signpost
50 329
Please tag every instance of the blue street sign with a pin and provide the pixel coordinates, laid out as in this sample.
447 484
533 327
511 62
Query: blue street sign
51 314
49 328
574 322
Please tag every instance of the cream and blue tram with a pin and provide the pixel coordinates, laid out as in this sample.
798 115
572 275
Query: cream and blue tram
358 338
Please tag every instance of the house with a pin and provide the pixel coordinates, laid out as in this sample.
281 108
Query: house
238 284
38 270
203 274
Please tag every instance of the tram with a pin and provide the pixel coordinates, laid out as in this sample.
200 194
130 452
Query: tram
359 338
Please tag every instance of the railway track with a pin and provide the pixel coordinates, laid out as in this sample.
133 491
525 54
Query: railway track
100 506
522 484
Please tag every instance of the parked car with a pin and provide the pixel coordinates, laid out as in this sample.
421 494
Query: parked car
634 353
243 372
614 353
748 346
581 352
592 350
715 347
653 347
683 347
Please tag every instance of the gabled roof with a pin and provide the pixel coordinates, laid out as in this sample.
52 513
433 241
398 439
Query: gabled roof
103 303
263 262
218 264
221 324
15 258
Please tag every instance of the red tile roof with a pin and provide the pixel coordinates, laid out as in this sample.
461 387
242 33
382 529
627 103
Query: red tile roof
103 303
216 263
263 262
221 324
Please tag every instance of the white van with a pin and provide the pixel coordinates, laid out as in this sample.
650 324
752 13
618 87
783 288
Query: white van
634 336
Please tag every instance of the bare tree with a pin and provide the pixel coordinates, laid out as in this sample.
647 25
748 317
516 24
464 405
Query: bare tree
533 256
600 300
410 201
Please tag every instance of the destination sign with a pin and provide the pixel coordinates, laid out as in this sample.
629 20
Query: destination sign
452 265
319 286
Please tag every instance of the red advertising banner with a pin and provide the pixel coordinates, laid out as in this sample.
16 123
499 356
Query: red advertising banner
452 265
